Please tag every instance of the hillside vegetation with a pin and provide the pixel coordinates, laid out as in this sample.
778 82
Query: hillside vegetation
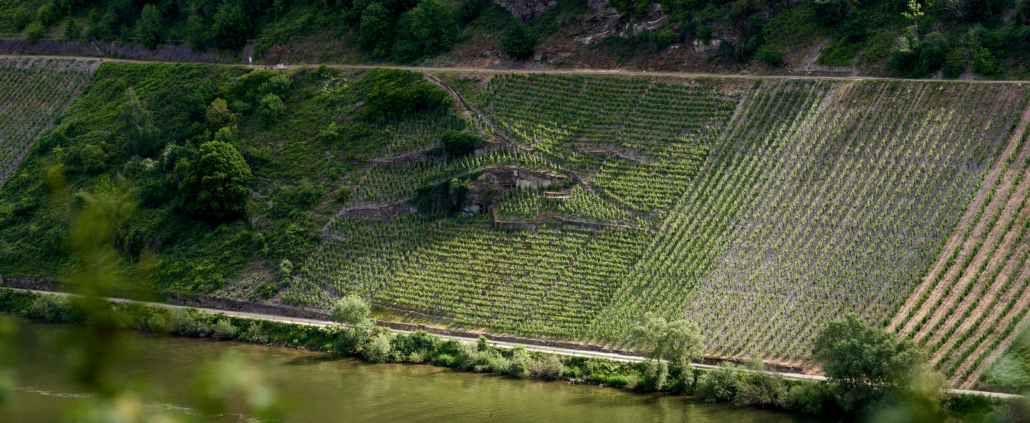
912 39
556 206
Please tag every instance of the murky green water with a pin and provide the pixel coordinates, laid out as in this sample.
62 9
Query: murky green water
330 389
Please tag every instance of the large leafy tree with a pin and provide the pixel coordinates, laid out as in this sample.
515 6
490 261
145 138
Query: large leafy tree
232 27
869 363
375 33
214 186
678 341
426 30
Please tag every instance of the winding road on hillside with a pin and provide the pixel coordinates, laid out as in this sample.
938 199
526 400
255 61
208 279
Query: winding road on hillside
526 71
553 350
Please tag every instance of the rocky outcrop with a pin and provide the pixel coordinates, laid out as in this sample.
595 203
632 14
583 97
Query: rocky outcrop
526 9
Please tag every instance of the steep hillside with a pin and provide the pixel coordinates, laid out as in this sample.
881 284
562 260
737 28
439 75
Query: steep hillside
968 39
759 208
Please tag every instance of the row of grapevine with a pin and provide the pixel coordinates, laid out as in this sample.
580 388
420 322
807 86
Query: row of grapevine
33 92
825 198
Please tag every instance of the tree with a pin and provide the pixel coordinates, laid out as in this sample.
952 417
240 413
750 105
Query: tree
149 28
141 137
426 30
197 33
351 310
232 27
863 360
354 312
518 42
679 341
22 17
72 30
35 32
375 33
214 186
271 109
47 14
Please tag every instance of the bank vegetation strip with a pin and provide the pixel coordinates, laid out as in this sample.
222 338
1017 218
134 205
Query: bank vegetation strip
528 347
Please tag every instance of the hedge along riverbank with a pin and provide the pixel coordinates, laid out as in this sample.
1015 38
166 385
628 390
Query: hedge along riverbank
725 383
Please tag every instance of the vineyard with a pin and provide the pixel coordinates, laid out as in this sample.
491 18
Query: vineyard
759 208
33 92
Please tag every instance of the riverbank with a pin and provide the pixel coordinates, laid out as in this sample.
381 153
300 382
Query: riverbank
805 396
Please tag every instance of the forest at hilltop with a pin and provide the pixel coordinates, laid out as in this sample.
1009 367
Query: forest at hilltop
914 39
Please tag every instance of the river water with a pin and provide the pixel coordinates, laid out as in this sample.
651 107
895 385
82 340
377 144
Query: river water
323 388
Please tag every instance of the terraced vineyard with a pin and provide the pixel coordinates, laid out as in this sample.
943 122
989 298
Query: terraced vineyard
33 92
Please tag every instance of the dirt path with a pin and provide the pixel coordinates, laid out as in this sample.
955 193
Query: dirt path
538 71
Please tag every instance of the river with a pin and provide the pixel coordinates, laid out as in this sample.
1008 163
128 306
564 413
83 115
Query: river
324 388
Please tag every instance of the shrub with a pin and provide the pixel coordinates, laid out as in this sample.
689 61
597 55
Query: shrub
377 350
375 32
760 387
955 63
521 365
415 357
214 186
984 62
470 357
51 308
719 384
459 144
665 37
279 85
72 30
550 367
499 365
21 18
224 330
770 57
656 375
47 14
518 42
181 322
94 159
271 109
397 92
35 32
232 26
469 10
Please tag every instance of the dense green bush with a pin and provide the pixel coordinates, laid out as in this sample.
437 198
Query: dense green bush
271 109
460 144
518 42
427 30
720 384
21 18
916 58
397 92
35 32
214 183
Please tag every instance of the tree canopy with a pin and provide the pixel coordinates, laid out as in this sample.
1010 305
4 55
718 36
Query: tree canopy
854 353
214 186
679 340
